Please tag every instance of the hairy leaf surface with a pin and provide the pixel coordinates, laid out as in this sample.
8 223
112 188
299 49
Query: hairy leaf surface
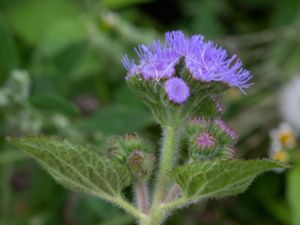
220 178
77 167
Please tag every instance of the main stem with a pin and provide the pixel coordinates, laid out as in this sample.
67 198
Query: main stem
156 214
166 161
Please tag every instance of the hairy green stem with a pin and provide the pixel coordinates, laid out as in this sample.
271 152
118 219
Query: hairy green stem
167 153
176 204
157 214
129 208
159 209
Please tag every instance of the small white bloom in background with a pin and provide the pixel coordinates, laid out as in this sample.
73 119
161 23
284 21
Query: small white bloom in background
17 88
283 138
60 121
290 103
279 155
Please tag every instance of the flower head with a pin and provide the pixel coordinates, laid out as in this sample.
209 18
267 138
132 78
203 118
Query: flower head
177 90
212 63
204 60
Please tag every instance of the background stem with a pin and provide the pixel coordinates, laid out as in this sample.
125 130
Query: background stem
6 192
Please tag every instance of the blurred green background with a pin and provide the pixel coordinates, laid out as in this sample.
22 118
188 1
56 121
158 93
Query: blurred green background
60 74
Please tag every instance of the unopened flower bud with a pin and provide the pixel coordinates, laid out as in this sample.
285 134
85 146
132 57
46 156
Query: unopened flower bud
210 139
132 150
205 141
140 164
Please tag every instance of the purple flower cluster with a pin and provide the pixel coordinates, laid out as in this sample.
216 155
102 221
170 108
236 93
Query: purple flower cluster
204 60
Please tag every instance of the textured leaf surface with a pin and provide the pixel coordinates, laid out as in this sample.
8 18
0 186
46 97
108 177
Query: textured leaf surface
77 167
220 178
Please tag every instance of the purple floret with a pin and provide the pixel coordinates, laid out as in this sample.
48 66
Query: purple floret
130 66
205 140
156 61
204 60
228 130
177 90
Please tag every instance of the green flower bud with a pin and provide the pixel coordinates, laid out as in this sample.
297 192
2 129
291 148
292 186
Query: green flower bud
208 139
140 164
132 150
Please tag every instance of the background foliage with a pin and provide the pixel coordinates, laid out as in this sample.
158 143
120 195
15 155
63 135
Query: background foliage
60 74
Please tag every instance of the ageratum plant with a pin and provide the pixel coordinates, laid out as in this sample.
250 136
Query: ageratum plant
179 80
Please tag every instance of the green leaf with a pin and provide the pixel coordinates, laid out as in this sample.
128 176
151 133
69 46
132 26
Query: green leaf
32 19
220 178
77 167
60 36
10 156
8 50
293 193
118 119
54 103
115 4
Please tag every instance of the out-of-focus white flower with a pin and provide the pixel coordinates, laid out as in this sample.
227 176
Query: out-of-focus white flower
17 88
280 155
60 121
290 103
283 138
